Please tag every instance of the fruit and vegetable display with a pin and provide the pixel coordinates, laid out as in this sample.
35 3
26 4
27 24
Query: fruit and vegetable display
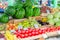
29 32
54 19
25 24
28 20
34 32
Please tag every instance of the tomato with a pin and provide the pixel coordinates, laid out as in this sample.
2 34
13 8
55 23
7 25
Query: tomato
30 34
33 33
26 35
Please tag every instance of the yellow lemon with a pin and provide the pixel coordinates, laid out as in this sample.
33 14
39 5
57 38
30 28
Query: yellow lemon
44 19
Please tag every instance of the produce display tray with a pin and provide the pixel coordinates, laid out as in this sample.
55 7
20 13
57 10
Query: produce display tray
46 35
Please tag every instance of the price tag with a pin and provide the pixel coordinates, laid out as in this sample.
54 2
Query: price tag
20 27
36 25
12 31
44 35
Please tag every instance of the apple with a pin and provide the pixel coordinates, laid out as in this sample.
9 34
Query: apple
58 23
51 22
50 16
57 15
56 20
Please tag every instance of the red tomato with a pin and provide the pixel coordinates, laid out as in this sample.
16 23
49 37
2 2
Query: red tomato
36 33
30 30
26 31
23 32
40 32
22 36
30 34
33 33
26 35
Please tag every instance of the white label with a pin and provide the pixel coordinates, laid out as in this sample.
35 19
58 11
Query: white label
20 27
36 25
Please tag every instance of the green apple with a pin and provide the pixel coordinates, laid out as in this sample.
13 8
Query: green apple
58 23
50 16
51 22
56 20
57 15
